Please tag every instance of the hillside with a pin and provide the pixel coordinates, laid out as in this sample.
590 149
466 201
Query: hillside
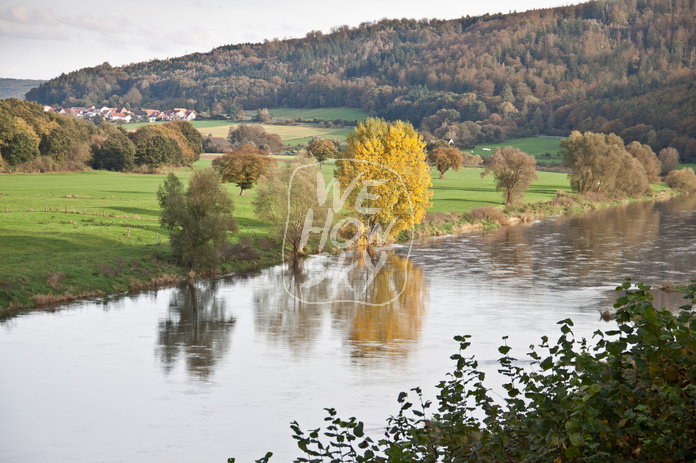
621 66
17 88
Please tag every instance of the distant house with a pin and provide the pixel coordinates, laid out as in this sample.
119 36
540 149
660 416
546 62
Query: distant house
119 116
177 114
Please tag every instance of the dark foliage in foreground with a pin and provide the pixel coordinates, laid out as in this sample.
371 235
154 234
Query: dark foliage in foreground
630 396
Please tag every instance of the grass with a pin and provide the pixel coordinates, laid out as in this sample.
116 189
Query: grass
291 135
88 233
346 114
97 232
536 146
465 190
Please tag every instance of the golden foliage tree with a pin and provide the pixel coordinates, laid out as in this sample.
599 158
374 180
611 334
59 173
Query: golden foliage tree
386 177
242 166
445 158
513 171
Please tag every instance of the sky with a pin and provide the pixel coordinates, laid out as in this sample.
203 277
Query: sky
40 39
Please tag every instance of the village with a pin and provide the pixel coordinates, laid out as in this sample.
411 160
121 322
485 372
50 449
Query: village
124 115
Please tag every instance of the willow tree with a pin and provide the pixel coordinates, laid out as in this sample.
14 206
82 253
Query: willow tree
513 171
593 160
287 198
385 180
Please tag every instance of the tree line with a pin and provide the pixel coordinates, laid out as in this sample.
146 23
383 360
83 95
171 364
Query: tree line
623 67
33 140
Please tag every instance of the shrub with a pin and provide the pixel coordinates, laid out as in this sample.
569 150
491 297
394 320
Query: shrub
488 214
629 397
683 180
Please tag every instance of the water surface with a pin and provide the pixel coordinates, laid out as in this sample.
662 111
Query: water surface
218 369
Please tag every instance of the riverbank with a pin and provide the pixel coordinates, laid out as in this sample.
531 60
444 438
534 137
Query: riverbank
489 217
87 235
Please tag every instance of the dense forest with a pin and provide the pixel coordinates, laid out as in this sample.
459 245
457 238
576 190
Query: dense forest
17 88
621 66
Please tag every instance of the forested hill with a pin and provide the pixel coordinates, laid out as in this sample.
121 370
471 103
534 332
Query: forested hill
17 88
623 66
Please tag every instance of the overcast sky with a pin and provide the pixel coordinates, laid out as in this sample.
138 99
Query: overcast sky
40 39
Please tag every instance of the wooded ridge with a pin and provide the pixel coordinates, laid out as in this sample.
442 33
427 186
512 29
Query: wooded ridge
624 66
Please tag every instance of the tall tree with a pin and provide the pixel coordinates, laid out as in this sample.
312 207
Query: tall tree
513 170
669 157
286 196
648 159
198 218
593 160
387 177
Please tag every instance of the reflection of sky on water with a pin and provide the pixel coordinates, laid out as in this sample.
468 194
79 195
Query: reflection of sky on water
220 369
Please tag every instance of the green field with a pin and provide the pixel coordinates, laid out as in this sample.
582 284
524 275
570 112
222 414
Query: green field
536 146
346 114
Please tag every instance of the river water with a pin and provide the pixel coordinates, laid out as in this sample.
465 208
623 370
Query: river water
220 368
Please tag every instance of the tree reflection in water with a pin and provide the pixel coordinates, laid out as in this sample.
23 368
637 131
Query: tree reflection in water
197 329
377 314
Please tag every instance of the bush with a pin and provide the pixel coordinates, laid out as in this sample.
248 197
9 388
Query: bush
488 214
683 180
629 397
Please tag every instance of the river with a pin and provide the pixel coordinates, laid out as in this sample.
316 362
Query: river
220 368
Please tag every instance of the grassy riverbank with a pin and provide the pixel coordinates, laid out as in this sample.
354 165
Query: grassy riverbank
75 235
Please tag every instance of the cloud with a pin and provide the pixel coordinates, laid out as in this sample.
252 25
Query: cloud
19 21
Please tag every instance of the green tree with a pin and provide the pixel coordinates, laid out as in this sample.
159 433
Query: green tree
198 218
322 149
56 144
116 153
193 137
446 158
242 166
513 171
156 150
18 141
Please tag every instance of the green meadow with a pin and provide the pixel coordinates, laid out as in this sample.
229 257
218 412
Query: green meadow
346 114
98 232
538 147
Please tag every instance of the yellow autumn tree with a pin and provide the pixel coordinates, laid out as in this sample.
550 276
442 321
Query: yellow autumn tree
385 178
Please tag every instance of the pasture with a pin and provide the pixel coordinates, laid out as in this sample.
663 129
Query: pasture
536 146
